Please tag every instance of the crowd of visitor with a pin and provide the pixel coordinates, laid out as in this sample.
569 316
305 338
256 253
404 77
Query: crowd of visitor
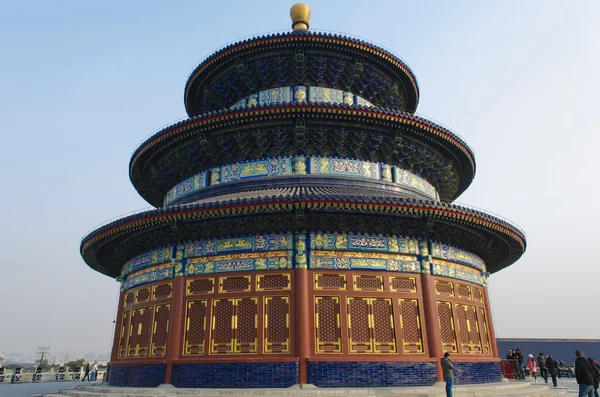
587 370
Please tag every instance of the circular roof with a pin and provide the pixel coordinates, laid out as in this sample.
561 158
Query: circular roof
496 241
300 58
384 135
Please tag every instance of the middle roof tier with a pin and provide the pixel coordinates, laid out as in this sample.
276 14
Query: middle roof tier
365 133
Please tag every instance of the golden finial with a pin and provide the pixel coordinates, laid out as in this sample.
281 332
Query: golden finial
300 14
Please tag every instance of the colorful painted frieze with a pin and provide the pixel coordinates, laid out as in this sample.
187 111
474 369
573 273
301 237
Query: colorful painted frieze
271 242
359 242
448 252
275 96
275 260
160 255
350 260
190 185
301 94
343 167
457 271
274 166
325 95
156 273
407 178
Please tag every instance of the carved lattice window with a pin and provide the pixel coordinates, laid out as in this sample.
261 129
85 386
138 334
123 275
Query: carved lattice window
160 330
403 284
200 286
277 324
370 325
447 330
327 321
140 332
234 326
410 323
195 327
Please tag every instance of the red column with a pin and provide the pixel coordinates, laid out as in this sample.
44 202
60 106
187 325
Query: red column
434 339
176 325
118 325
303 331
490 322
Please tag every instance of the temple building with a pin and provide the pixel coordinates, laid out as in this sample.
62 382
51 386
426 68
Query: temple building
303 230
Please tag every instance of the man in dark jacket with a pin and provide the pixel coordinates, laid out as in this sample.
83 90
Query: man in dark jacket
541 362
584 375
519 357
596 372
448 370
551 366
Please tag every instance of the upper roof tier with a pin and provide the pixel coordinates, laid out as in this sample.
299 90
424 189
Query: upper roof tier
300 57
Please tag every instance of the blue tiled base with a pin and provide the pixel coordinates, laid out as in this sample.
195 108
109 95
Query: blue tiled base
247 375
150 375
468 373
371 374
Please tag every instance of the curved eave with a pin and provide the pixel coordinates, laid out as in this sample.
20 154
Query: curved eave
267 42
424 216
418 128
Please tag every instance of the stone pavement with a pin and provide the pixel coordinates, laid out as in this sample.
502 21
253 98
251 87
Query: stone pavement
28 389
512 389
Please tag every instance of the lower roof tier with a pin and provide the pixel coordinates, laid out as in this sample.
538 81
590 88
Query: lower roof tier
291 209
395 138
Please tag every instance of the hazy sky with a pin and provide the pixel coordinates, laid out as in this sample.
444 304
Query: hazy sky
82 83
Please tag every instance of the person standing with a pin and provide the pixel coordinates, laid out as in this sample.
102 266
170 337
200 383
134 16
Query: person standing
541 362
95 370
448 370
552 366
87 373
531 367
584 375
519 357
596 373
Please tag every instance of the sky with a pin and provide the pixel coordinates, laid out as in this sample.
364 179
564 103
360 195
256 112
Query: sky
83 83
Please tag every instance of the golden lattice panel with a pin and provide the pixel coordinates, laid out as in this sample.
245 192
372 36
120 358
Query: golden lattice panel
140 332
160 330
410 323
367 283
142 295
328 281
403 284
246 325
201 286
222 326
195 327
234 284
447 329
328 333
359 326
277 324
478 294
129 299
444 288
486 332
162 291
124 335
382 323
463 291
468 326
273 282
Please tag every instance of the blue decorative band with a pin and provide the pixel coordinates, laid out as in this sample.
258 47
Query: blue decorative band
315 250
227 375
469 373
300 165
138 375
371 374
299 95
